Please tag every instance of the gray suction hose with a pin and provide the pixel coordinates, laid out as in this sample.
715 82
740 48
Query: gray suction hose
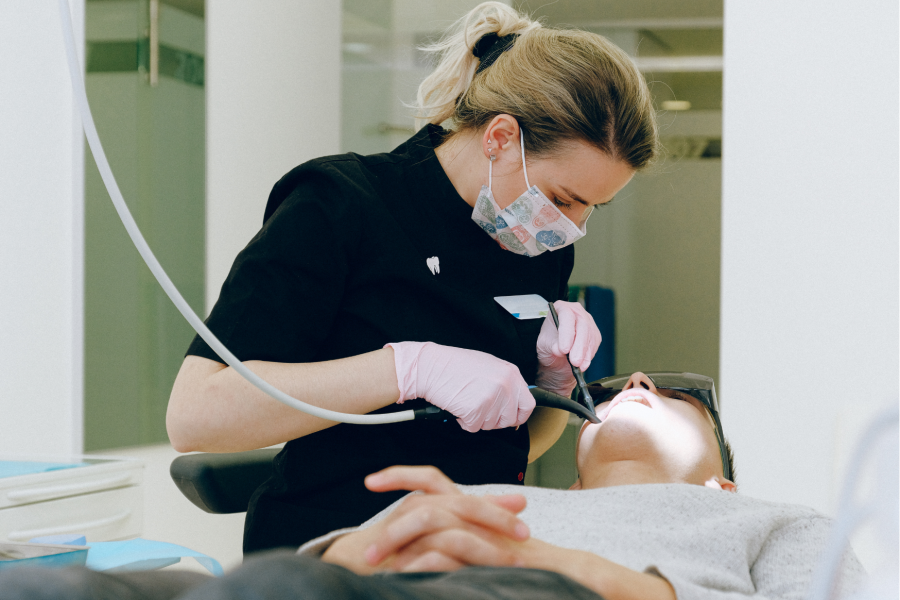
550 400
90 131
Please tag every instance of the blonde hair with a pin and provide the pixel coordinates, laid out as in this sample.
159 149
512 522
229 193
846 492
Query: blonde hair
561 85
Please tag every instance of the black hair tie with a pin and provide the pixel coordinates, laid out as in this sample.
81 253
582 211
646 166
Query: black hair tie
490 47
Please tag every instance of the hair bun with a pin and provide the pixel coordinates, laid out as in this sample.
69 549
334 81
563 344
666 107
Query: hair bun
484 44
490 47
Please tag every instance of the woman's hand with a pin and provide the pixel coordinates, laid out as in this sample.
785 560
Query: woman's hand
456 519
481 390
578 336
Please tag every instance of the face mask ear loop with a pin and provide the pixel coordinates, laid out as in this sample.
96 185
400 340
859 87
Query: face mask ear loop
524 168
490 171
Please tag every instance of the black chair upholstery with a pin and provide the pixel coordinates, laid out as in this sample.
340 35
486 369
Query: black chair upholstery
222 483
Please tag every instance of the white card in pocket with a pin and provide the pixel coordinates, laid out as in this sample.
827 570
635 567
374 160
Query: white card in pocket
529 306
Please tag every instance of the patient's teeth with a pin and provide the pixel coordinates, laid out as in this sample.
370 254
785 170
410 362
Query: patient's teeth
638 399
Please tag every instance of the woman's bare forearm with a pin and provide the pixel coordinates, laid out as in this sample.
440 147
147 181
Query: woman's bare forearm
213 409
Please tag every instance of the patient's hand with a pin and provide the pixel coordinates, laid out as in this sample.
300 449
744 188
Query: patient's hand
444 530
440 530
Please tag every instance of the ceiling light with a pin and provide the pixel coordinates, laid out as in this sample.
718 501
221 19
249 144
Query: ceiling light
676 105
358 48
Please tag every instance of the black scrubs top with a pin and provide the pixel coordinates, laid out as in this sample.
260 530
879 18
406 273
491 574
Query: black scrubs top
339 269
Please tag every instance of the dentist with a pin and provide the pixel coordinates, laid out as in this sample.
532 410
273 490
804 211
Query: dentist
372 281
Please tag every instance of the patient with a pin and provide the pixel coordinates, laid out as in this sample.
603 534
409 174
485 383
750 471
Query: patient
651 516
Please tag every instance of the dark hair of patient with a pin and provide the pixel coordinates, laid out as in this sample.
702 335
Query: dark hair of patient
730 454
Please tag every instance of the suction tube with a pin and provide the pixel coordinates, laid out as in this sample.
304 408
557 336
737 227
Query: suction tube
90 131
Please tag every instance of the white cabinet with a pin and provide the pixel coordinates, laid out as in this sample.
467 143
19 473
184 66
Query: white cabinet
101 498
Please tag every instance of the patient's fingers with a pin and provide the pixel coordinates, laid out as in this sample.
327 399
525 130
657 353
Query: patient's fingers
432 562
406 529
511 502
422 515
458 545
427 479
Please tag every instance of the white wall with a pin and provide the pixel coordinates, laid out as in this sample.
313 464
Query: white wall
809 330
273 72
41 233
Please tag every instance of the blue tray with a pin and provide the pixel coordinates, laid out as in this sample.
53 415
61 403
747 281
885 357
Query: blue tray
14 468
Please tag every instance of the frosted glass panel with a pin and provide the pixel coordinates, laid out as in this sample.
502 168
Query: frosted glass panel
382 68
154 138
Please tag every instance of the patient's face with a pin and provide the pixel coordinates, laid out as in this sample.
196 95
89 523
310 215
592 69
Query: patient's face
669 431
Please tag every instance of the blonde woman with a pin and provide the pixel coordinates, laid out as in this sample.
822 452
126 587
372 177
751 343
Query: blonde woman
373 279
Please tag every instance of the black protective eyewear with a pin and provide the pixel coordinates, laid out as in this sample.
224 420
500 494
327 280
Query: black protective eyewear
701 387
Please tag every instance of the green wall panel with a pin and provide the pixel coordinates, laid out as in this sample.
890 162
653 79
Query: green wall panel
135 339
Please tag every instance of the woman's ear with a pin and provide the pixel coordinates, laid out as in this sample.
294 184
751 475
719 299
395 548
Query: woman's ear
720 483
504 129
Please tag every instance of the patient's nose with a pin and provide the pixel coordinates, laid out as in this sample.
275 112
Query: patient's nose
639 380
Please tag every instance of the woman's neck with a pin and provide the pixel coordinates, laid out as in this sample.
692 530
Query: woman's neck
459 156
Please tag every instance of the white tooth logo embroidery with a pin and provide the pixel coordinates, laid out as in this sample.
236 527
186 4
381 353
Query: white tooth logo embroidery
433 264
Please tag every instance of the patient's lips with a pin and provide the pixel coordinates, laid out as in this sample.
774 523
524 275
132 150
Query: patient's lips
634 395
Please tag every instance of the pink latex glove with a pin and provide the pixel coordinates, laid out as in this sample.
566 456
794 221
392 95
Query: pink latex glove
578 336
481 390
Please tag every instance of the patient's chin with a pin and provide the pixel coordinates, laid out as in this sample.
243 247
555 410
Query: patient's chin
636 418
625 432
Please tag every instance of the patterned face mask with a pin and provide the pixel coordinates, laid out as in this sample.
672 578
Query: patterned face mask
529 226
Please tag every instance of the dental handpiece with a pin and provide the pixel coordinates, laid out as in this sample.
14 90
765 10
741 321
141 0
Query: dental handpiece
586 399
